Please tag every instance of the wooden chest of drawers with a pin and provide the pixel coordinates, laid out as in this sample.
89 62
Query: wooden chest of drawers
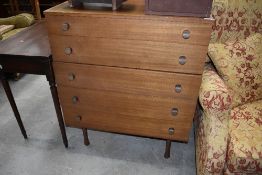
127 72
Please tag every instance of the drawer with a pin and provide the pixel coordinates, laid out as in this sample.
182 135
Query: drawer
151 55
124 104
127 113
154 128
131 81
170 29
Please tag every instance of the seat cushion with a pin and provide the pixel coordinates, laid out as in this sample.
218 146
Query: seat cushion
245 145
240 65
5 29
11 33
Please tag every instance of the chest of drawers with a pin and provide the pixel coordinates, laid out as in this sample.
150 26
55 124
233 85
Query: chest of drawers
127 72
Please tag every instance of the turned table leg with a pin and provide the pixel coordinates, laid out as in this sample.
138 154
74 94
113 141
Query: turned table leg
13 104
86 139
168 147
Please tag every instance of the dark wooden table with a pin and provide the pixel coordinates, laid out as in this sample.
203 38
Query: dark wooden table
29 52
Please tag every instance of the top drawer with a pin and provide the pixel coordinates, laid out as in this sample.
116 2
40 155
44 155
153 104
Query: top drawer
120 27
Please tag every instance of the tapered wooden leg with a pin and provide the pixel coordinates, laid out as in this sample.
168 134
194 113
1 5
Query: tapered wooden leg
37 9
13 104
59 113
51 79
86 139
168 147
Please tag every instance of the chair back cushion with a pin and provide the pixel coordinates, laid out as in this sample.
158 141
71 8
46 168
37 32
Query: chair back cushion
236 19
240 65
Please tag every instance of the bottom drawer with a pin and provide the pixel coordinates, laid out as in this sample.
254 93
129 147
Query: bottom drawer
154 128
127 113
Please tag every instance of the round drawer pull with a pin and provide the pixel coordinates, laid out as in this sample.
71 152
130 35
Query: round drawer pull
182 60
186 34
174 111
68 50
75 99
65 26
178 88
79 118
1 67
171 131
71 76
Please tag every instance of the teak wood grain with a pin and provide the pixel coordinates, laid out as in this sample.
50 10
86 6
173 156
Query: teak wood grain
141 106
98 120
131 28
123 80
115 106
123 67
129 53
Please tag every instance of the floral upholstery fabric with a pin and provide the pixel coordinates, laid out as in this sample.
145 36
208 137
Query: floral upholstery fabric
240 65
212 127
228 133
228 139
245 145
236 19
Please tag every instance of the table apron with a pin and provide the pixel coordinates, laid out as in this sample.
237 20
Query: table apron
24 65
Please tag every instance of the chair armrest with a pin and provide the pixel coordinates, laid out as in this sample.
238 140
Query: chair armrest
214 96
212 124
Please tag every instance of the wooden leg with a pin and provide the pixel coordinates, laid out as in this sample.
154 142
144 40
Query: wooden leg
51 79
59 113
13 104
12 6
86 140
37 9
16 6
168 147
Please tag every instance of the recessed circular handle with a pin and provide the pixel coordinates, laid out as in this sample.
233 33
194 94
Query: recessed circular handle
78 118
171 131
71 76
174 111
178 88
68 50
186 34
182 60
65 26
75 99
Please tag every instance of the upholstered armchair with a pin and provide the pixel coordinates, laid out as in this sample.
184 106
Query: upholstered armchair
228 123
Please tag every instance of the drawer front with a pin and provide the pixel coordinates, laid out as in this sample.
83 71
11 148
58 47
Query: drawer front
131 81
124 104
176 30
129 53
127 113
101 121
